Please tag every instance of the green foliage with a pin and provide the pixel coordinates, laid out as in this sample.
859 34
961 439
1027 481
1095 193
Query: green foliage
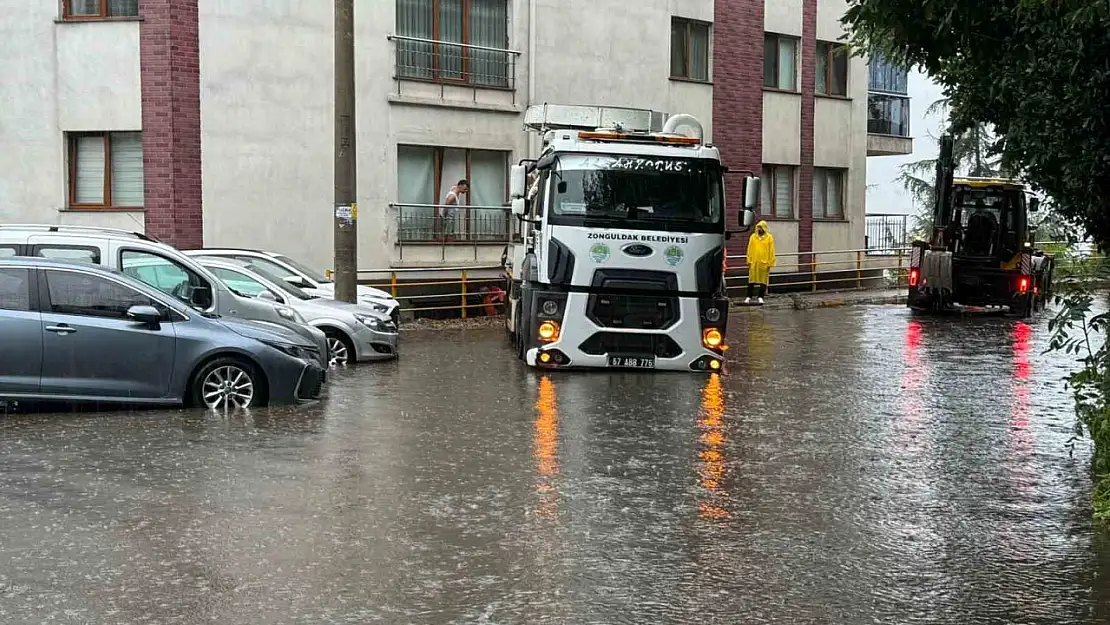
1037 72
1079 332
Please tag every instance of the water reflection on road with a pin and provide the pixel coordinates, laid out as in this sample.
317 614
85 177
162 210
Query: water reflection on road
851 466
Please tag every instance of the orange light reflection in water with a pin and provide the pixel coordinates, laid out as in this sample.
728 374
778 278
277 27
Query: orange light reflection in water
545 448
712 467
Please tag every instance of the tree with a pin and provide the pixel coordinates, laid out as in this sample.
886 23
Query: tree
1038 72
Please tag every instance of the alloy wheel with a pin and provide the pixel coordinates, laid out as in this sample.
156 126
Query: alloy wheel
338 349
229 386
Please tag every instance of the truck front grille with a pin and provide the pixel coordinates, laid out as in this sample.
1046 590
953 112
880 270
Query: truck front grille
602 343
632 303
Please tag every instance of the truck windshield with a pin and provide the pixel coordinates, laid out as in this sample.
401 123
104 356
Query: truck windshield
637 192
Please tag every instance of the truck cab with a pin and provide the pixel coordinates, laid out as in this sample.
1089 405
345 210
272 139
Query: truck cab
619 250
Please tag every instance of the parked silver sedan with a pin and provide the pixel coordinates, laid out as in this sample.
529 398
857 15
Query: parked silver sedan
355 333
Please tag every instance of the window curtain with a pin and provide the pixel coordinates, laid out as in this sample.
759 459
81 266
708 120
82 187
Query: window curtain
415 185
414 58
84 7
489 27
678 49
89 173
451 29
787 72
770 55
120 8
699 51
839 84
488 188
127 169
784 192
834 194
822 67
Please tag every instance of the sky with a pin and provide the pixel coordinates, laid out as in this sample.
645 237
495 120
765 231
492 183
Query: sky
888 196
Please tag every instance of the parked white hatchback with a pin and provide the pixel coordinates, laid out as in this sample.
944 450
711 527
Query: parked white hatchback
303 277
355 332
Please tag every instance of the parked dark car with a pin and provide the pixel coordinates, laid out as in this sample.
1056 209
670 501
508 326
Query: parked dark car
76 332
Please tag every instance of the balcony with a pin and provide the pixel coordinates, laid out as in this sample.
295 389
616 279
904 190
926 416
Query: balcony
888 124
457 75
473 234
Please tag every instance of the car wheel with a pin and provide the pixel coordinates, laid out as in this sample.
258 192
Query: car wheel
340 349
227 384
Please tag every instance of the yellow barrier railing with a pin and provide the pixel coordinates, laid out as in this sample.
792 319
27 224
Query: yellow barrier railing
849 269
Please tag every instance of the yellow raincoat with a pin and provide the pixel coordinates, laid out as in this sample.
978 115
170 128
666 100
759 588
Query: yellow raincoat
761 255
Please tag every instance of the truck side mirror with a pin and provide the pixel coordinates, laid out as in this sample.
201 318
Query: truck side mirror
747 219
518 206
1034 205
518 181
751 192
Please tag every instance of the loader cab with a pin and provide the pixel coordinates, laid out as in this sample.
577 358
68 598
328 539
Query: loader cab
989 219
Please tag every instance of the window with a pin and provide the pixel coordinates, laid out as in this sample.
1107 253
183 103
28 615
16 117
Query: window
780 54
73 293
886 77
828 193
70 253
106 170
86 9
15 289
778 191
426 174
8 251
832 68
483 24
689 49
168 277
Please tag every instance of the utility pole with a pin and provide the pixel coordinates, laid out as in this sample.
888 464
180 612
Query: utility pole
346 208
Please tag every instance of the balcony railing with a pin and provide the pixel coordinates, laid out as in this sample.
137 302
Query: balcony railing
426 223
453 63
888 114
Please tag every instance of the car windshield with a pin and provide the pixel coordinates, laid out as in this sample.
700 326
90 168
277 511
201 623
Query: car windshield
311 274
663 193
279 282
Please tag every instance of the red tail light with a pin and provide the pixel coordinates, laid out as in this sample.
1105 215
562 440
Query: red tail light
913 277
1023 285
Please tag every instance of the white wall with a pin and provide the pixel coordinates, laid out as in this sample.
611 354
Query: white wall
52 83
267 98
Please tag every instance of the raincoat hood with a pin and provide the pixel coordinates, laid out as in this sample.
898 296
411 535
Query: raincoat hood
766 228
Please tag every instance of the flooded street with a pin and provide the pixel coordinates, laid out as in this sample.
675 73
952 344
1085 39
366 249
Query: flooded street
853 466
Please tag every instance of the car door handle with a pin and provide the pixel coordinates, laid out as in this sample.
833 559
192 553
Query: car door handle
61 329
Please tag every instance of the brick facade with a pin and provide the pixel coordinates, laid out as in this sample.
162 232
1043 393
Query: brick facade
805 171
170 72
738 97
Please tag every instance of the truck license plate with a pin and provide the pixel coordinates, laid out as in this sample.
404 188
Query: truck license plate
631 362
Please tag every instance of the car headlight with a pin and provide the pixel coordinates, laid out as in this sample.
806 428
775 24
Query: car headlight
290 349
290 314
370 322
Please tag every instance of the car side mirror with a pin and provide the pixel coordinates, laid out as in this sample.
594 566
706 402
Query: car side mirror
747 219
201 297
1034 205
296 281
267 295
518 181
519 206
148 315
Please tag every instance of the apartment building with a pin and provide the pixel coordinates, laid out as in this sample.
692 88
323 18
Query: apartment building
209 122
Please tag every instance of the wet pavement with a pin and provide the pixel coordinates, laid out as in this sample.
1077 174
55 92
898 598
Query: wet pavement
853 466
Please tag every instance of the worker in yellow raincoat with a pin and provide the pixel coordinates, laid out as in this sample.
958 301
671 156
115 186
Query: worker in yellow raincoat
761 257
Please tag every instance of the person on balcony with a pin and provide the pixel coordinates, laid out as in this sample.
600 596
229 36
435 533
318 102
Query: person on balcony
761 257
446 211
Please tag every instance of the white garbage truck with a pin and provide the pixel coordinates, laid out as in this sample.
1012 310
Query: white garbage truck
617 257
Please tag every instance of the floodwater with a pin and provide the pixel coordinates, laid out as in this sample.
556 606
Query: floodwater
853 466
